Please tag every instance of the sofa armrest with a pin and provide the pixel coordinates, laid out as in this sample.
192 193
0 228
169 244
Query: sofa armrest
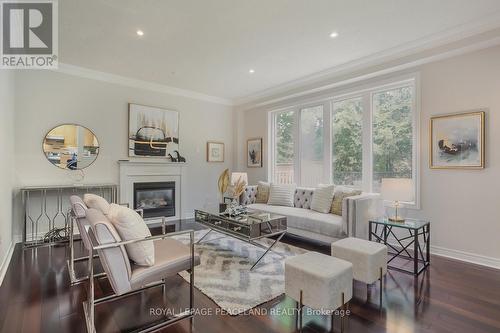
248 196
357 211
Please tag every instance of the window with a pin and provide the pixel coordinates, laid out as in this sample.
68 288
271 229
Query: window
353 140
284 123
392 135
347 142
311 146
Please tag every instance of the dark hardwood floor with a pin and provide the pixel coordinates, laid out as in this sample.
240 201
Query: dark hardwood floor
451 296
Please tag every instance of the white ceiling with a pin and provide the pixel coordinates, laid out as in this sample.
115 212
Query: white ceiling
209 46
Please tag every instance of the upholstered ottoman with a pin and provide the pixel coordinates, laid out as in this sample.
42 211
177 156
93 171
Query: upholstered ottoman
319 281
369 259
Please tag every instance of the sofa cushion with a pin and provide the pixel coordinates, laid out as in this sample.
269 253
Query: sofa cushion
341 192
281 194
249 195
303 197
306 219
171 257
322 199
129 226
262 192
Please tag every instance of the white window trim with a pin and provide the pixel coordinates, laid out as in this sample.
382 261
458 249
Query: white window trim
366 92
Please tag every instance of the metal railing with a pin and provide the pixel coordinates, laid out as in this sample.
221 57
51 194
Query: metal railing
313 175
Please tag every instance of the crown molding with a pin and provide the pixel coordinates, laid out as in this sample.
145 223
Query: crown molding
390 70
135 83
421 45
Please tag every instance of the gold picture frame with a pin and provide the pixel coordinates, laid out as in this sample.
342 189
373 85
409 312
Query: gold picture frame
215 151
254 153
457 141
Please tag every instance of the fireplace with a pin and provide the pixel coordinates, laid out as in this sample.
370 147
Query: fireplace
156 199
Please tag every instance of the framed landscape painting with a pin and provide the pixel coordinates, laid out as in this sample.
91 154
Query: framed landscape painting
254 153
457 141
153 132
215 151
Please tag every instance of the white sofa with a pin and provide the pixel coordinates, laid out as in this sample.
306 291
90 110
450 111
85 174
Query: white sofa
302 221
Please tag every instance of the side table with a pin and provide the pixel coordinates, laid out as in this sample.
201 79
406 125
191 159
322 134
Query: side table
418 236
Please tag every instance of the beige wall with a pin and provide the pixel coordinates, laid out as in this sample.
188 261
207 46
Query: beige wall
464 206
7 163
46 99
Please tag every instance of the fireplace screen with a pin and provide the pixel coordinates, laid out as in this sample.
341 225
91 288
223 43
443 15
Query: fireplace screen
155 199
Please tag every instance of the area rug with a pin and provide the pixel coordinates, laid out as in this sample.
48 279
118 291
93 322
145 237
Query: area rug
224 272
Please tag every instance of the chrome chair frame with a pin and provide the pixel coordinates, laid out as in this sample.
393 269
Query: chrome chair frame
90 304
72 260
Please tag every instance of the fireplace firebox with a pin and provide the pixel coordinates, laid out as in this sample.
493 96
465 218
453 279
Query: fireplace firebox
156 199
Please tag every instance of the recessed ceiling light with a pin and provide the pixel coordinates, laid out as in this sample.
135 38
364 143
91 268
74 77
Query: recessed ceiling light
251 71
334 34
140 33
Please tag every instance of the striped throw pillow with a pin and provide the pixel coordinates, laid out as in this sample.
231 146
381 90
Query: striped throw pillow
322 199
281 194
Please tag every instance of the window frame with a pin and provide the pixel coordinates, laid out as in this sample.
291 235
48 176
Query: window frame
365 92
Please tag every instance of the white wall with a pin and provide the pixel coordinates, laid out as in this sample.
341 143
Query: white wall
7 83
45 99
464 206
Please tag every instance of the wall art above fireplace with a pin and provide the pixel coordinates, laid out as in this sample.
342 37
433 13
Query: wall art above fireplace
153 132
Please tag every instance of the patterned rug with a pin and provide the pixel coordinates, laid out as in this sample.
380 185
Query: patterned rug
224 272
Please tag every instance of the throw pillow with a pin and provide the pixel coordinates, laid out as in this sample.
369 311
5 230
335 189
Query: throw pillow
322 199
281 194
262 192
341 192
130 225
96 202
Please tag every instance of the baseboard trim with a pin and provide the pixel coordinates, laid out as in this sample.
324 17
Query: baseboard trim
6 262
466 256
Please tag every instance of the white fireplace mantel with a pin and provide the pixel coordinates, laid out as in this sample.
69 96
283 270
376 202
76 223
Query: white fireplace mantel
134 171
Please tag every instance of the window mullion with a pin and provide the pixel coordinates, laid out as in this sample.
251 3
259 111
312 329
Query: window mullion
367 143
296 146
327 143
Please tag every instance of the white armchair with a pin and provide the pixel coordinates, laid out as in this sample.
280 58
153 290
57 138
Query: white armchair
171 257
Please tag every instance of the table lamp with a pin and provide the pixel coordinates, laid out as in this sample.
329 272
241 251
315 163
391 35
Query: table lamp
236 176
397 190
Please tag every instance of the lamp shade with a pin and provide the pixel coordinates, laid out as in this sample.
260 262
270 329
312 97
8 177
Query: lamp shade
397 189
235 176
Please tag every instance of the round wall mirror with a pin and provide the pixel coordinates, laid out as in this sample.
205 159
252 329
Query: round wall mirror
71 147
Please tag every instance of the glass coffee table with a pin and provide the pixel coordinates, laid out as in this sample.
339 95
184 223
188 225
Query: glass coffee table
249 226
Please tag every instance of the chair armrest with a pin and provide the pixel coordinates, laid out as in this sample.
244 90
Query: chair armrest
357 211
96 246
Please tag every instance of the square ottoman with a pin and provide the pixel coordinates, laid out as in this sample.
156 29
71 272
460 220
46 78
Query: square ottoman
319 281
369 259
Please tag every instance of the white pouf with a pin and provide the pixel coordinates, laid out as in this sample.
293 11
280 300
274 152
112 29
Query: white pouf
366 257
321 278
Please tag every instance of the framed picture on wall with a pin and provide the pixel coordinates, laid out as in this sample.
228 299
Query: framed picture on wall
153 132
254 153
457 141
215 151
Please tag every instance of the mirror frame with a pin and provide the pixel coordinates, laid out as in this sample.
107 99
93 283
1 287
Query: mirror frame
70 124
